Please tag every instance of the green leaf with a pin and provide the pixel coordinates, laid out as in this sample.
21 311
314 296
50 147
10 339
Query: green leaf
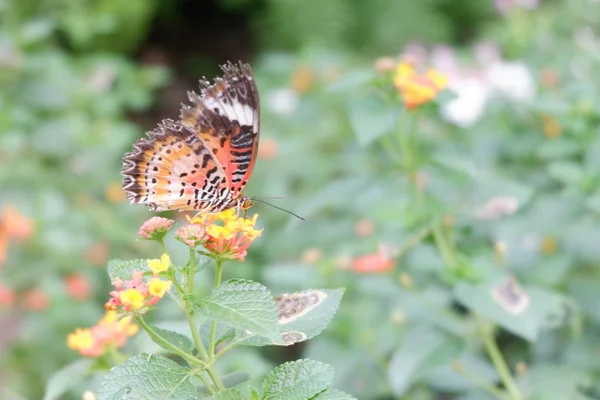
372 115
554 382
176 339
294 380
125 269
416 348
147 377
231 394
312 311
333 394
223 332
559 148
244 305
234 379
66 378
545 309
566 172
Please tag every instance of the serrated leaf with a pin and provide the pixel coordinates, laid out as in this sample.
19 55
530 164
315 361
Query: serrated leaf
66 378
231 394
176 339
244 305
124 269
294 380
306 324
333 394
146 377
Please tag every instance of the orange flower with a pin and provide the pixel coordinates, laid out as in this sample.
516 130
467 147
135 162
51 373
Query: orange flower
268 149
109 332
78 286
7 297
372 263
227 236
114 193
16 225
36 300
418 89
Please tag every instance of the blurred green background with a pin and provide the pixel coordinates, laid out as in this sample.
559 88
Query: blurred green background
80 80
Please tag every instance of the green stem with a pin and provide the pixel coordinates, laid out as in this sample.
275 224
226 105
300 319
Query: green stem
445 248
478 381
207 384
498 360
165 344
213 328
191 270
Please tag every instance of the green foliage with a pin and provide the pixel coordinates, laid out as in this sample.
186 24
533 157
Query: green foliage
300 379
244 305
147 377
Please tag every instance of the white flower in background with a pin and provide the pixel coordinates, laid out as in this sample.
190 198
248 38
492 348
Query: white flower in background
497 207
512 80
469 105
283 101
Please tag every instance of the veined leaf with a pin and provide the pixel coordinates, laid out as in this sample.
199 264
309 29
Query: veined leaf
125 269
244 305
147 377
176 339
294 380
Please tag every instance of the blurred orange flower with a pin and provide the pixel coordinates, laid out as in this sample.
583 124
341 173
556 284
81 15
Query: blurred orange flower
78 286
268 149
36 300
109 332
13 225
7 297
418 89
302 79
97 253
114 193
372 263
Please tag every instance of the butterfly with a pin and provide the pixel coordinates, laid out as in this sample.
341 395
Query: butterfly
203 161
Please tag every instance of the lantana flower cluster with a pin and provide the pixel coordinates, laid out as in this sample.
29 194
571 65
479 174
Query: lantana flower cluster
110 333
224 235
138 294
416 88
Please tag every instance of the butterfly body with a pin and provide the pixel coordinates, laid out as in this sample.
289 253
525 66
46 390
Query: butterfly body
203 161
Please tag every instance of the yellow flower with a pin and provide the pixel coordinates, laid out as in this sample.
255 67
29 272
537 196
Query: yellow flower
418 89
219 232
158 287
81 340
158 266
132 298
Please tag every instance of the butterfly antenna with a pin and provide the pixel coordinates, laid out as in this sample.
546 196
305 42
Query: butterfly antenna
279 208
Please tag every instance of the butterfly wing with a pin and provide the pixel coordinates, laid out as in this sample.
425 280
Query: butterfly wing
172 169
225 115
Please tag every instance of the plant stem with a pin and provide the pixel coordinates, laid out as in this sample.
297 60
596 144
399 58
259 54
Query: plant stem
194 328
207 384
213 328
498 360
174 349
444 247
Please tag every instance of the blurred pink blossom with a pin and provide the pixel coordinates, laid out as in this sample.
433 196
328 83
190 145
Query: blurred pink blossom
497 207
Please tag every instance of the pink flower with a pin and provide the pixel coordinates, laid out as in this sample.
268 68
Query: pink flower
155 228
192 235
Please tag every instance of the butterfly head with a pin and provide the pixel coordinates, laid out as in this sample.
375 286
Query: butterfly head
245 203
